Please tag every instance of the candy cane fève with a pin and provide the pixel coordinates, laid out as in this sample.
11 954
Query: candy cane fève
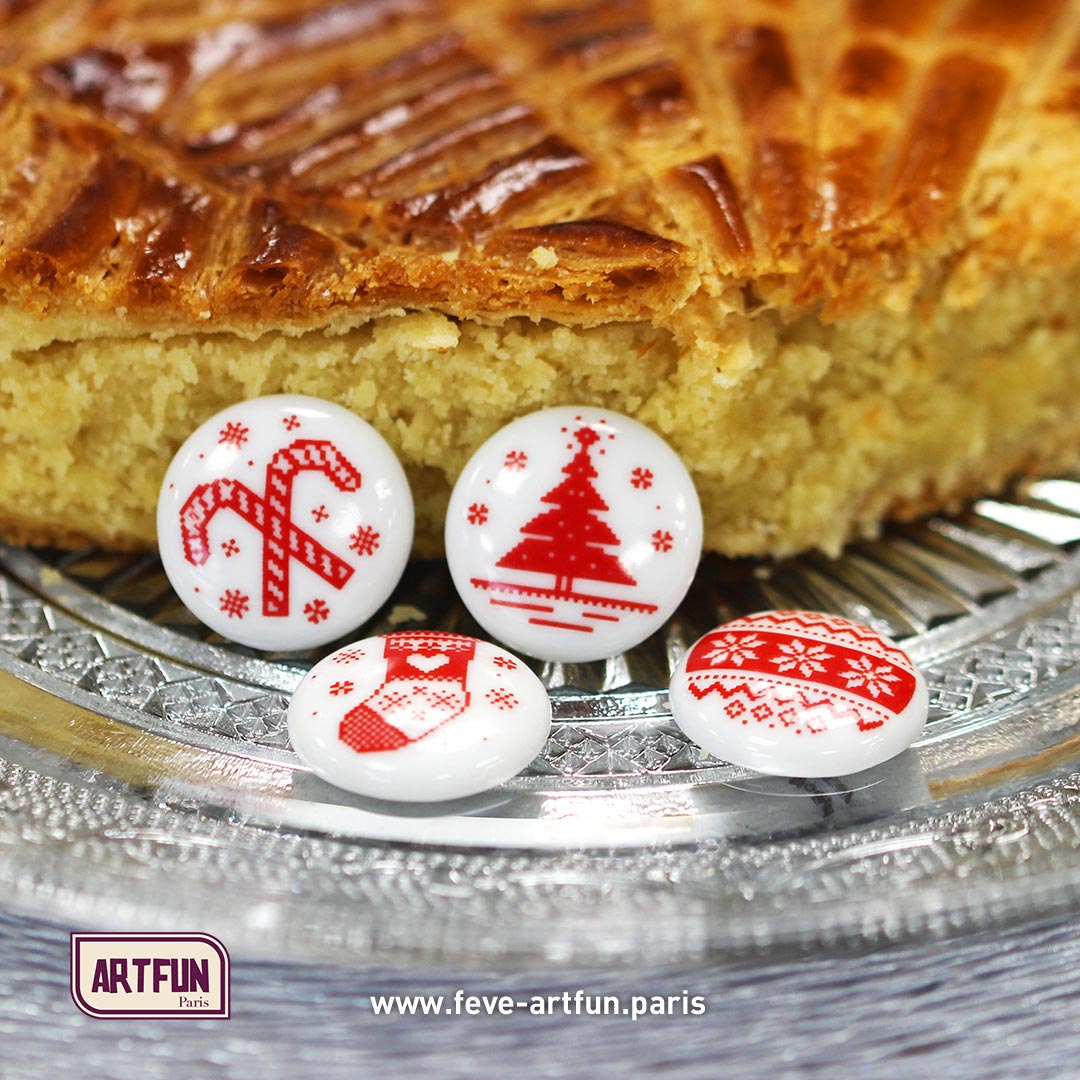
282 540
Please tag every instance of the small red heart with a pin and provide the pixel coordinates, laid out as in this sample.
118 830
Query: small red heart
428 664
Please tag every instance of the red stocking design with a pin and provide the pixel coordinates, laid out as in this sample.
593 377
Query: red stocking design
424 688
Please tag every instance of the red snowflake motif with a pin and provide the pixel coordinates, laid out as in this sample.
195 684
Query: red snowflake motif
233 434
505 662
339 688
234 603
317 611
348 656
516 459
478 514
662 541
641 479
365 541
291 422
320 513
231 548
502 699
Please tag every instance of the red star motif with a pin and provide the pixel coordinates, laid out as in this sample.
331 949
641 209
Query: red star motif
349 655
320 513
339 688
364 541
662 541
291 422
505 662
234 603
317 611
231 548
478 514
641 479
516 459
233 434
502 699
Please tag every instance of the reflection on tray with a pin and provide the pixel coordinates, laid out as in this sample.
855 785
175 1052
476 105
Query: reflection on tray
759 808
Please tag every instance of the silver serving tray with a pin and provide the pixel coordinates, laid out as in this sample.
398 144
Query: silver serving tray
146 780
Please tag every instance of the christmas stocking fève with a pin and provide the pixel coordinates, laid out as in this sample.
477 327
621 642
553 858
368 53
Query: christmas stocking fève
424 687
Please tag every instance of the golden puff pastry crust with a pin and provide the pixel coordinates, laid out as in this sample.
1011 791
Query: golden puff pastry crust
828 249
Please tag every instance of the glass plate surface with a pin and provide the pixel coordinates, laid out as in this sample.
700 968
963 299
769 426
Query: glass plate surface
146 780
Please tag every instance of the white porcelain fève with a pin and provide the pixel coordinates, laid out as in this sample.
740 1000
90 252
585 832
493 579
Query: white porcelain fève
573 533
284 522
419 717
799 693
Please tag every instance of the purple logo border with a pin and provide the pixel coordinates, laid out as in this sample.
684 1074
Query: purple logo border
224 1013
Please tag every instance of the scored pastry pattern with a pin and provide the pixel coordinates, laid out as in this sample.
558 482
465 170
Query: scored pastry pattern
283 157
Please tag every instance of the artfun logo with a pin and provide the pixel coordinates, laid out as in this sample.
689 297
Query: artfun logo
122 976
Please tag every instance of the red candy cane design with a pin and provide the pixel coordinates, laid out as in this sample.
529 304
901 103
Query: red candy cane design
282 540
304 455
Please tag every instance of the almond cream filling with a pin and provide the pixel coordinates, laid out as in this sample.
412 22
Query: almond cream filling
798 433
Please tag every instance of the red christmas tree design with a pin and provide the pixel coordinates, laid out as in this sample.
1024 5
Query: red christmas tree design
569 540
